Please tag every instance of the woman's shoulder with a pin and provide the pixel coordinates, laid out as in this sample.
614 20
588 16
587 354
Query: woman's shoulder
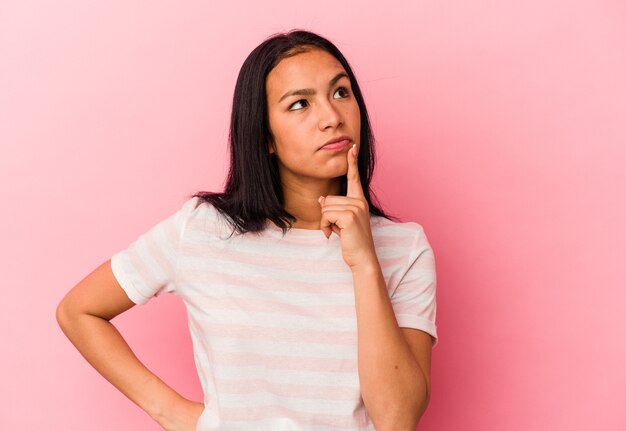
198 211
194 205
403 234
386 226
205 217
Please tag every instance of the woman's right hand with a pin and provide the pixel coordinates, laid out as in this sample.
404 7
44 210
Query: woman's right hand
183 416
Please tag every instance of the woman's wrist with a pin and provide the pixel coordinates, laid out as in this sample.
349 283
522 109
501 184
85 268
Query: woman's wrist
165 401
178 413
369 266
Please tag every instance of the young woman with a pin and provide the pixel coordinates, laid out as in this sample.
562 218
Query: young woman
309 307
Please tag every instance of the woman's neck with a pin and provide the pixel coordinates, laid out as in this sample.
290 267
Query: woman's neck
301 201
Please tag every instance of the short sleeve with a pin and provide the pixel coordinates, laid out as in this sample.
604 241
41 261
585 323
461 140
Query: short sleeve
414 299
148 266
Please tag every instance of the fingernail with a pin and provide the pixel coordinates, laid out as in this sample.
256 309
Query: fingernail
321 198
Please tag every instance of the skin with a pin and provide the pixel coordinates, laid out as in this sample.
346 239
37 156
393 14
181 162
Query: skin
301 124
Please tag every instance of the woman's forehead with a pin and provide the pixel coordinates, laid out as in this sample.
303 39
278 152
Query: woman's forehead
303 71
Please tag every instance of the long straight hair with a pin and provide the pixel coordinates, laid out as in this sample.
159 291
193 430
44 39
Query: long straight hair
253 192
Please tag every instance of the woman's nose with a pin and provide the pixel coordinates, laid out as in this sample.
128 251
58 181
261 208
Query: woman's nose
329 115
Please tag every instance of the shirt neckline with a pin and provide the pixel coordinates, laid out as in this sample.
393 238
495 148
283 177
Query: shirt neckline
306 233
297 232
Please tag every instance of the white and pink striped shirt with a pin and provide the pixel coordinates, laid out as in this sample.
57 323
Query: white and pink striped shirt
273 318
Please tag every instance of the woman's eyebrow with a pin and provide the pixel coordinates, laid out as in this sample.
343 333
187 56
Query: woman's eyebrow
310 91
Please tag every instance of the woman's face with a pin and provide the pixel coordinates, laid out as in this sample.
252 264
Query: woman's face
302 123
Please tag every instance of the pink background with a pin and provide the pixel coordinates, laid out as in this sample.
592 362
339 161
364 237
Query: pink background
500 128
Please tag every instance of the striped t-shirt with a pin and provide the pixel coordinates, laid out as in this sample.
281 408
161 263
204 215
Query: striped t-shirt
273 318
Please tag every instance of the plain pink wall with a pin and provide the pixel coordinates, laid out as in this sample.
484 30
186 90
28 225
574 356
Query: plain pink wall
500 128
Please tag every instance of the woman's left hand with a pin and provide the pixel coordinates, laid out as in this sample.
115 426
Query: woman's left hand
348 216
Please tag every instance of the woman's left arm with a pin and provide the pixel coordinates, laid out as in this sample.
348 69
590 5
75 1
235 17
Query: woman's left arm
395 386
393 362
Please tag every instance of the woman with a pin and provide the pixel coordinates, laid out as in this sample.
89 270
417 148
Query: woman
319 313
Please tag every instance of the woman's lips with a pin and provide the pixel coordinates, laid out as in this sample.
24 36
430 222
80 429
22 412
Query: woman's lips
337 145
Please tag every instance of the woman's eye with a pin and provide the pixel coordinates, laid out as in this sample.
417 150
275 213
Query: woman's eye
305 101
295 103
344 90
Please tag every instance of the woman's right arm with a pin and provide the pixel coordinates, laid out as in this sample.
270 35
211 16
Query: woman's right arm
84 314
